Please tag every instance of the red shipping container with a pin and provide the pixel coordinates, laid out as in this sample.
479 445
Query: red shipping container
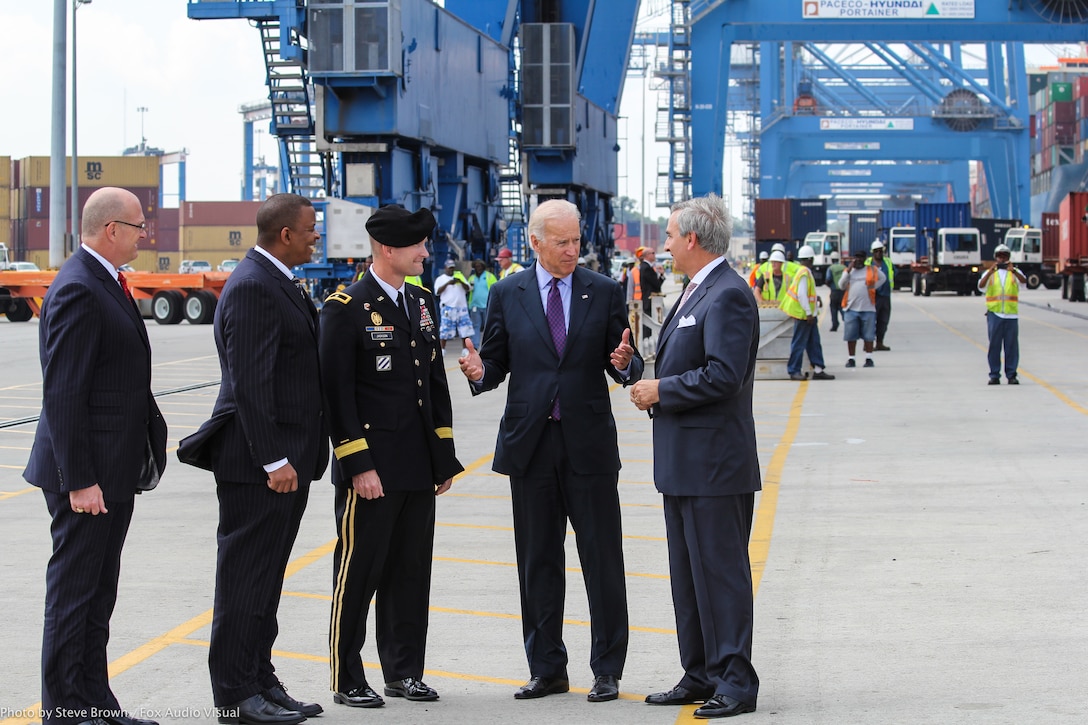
1080 87
35 234
772 220
1065 111
218 213
1073 235
37 201
1031 126
1065 133
1082 107
1051 237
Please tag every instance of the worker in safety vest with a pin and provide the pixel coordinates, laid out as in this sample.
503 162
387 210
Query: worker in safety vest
1001 283
763 258
771 285
883 293
800 304
507 265
859 285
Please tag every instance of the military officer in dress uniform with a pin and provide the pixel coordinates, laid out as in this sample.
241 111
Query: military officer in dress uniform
392 431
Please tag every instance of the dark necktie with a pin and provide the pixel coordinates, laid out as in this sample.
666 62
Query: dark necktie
305 296
404 306
124 286
558 326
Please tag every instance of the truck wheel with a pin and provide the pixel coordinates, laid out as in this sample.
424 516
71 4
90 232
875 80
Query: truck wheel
927 285
1034 280
916 284
20 311
200 307
167 307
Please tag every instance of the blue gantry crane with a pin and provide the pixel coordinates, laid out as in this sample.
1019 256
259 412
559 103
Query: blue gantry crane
474 110
823 123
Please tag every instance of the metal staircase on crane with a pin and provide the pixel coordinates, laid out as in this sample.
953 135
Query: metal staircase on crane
511 191
292 117
673 122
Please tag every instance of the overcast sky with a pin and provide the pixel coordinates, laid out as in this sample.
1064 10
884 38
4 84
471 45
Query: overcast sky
191 76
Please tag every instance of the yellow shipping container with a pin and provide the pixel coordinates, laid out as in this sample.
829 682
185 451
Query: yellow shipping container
5 204
95 171
5 233
17 209
39 257
193 242
151 260
5 172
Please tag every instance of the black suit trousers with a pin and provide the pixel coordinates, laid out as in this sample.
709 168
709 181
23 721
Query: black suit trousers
80 593
712 592
257 530
542 503
384 546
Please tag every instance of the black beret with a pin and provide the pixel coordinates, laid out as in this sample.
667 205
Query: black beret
395 226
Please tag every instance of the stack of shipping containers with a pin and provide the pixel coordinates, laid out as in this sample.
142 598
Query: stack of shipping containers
788 221
215 231
1059 124
5 201
29 197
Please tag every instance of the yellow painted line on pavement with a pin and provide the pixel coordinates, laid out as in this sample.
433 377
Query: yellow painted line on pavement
12 494
1020 370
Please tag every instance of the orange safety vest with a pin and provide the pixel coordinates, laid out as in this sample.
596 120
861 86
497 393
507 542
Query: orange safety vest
636 282
871 277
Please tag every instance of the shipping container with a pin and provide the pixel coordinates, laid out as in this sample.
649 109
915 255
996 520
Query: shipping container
781 220
1036 82
992 233
1051 237
1062 112
772 220
34 233
150 260
1073 237
894 218
5 172
1060 92
863 230
228 240
807 215
930 217
35 201
5 232
95 171
5 204
16 173
224 214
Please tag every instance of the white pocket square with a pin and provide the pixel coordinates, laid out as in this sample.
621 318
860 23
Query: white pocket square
686 321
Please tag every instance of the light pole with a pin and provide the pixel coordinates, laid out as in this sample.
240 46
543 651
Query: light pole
75 155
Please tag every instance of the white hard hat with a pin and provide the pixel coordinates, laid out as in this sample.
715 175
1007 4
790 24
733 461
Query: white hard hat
779 247
777 256
763 256
805 252
876 245
1002 248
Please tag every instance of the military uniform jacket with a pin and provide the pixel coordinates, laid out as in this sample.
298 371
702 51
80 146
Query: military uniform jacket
385 385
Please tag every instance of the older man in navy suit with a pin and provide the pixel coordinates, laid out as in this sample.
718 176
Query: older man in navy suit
705 461
99 430
266 441
557 330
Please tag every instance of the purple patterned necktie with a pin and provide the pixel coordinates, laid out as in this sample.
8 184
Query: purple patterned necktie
687 293
558 326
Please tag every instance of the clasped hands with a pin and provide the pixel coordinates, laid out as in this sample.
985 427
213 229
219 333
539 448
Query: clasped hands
472 365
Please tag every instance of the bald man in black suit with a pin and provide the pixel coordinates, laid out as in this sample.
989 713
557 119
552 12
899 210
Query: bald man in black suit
91 450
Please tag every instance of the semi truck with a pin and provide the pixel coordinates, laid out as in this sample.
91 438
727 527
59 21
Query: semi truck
951 263
828 250
1026 253
900 246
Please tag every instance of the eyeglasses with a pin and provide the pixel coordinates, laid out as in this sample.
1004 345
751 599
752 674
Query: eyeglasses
141 227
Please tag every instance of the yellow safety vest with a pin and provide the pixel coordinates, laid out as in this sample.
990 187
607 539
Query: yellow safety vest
889 270
1004 300
512 269
769 291
791 303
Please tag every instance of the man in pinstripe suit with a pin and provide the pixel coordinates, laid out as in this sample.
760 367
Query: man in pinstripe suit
99 422
392 424
266 441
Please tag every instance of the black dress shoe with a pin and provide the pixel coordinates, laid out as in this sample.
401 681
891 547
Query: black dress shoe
124 719
678 695
410 689
359 697
723 706
1014 380
994 381
258 711
605 688
278 695
542 687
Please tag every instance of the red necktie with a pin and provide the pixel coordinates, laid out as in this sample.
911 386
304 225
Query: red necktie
124 286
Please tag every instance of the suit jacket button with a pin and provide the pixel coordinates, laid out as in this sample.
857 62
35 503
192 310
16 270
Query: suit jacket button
420 401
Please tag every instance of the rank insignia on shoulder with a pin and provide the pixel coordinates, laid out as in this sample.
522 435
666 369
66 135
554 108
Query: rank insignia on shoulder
340 297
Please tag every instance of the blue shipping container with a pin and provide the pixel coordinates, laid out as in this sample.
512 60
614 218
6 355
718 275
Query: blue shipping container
993 233
863 230
895 218
807 215
931 217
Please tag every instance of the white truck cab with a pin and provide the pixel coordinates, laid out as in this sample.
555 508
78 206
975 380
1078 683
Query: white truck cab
902 246
958 247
